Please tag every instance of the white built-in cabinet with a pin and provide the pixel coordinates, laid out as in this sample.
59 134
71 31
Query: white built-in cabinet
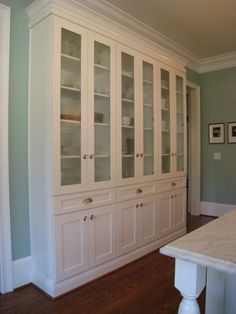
107 147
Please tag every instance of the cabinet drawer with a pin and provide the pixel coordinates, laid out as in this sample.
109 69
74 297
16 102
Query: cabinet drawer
80 201
165 186
134 191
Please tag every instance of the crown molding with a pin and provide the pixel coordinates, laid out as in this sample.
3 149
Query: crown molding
93 10
223 61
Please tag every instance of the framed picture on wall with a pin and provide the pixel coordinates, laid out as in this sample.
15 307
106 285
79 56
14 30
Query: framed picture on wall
216 133
231 132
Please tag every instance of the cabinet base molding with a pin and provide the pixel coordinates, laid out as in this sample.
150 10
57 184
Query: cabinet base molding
216 209
57 289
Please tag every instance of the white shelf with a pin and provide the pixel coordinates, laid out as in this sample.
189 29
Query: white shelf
179 93
165 155
180 112
148 105
165 109
70 157
128 74
101 124
101 95
147 82
70 121
165 131
102 156
128 126
127 156
148 129
70 57
128 100
148 155
165 88
70 88
103 67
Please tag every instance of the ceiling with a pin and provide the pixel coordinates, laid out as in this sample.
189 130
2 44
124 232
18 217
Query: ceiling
206 28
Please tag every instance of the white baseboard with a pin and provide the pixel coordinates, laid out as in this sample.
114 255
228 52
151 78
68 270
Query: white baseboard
215 209
22 271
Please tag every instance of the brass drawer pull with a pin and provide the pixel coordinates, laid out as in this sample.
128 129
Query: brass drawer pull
138 191
173 184
88 200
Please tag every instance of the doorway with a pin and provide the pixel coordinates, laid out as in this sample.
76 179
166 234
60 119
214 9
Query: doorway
194 149
6 282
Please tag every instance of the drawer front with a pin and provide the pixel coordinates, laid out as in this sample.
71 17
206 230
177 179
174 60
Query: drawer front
81 201
133 191
169 185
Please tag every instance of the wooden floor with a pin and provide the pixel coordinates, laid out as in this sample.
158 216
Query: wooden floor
144 286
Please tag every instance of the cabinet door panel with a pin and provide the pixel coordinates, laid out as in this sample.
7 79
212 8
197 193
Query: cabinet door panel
179 211
147 220
101 118
165 224
71 233
166 121
180 124
127 224
102 232
148 118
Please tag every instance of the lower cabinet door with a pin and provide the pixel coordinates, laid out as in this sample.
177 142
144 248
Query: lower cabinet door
102 235
179 210
146 220
136 223
165 220
126 226
71 244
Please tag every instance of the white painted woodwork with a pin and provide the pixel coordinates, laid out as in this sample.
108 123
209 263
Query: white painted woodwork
71 244
190 281
194 149
172 211
6 277
82 231
102 235
136 223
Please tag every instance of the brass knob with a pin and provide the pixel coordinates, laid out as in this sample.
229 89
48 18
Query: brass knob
91 156
85 156
88 200
137 205
137 155
141 204
85 218
173 184
141 155
92 217
138 191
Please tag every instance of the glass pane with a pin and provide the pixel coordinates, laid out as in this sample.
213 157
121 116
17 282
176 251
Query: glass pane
70 108
148 119
102 129
165 112
128 125
180 123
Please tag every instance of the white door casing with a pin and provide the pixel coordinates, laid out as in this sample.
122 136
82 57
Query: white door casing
194 170
6 281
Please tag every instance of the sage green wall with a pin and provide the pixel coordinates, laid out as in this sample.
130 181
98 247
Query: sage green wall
218 104
193 76
18 102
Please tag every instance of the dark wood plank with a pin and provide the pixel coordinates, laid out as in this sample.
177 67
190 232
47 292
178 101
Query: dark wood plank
144 286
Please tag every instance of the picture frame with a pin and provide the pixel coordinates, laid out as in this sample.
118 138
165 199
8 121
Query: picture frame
232 132
216 133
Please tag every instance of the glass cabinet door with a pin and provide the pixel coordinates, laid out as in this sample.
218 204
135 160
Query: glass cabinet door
165 116
127 115
70 111
102 110
179 124
148 120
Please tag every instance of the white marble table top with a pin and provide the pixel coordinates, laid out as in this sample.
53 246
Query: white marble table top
213 245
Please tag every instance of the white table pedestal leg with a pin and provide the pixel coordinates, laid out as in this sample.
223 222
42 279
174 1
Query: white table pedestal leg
190 281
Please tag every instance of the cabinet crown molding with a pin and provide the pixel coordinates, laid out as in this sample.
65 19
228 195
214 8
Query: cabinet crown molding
104 18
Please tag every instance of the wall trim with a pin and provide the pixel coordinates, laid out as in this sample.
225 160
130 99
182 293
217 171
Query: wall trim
22 269
223 61
6 283
215 209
